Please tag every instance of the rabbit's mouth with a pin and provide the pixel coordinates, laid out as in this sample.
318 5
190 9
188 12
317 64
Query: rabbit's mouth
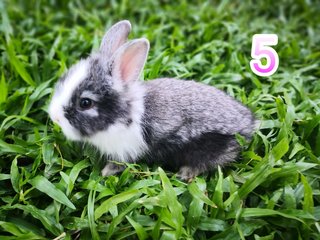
69 131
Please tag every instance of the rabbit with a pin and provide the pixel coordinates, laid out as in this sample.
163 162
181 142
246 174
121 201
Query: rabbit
181 124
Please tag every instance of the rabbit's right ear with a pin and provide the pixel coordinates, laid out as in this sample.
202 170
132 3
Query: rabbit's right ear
116 36
129 60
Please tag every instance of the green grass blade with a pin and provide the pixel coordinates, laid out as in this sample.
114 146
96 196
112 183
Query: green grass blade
11 228
263 169
218 191
210 224
258 212
308 204
117 220
92 224
15 175
12 148
4 176
174 206
196 206
74 173
17 65
114 200
46 219
43 185
197 191
3 89
141 233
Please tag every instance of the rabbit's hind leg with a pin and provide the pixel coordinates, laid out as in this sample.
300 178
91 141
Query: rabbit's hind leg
206 154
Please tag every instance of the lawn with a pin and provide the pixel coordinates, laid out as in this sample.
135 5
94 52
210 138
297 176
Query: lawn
51 188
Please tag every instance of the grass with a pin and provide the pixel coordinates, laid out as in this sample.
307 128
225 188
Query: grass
52 189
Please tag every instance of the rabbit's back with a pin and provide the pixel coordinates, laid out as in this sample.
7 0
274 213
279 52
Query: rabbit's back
190 109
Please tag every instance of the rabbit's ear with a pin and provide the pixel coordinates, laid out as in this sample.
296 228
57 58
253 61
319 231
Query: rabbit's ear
129 60
116 36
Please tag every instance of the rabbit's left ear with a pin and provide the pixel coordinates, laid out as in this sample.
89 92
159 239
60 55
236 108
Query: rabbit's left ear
116 36
129 60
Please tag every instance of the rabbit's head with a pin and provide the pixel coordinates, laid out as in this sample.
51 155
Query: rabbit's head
100 97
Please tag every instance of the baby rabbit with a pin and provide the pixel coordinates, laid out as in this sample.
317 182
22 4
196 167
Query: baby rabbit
177 123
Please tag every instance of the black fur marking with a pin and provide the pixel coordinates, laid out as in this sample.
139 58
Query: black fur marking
110 67
203 153
129 121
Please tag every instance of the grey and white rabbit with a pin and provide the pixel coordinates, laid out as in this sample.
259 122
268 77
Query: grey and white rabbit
177 123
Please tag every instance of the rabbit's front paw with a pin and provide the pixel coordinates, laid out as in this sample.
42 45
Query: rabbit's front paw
112 169
187 173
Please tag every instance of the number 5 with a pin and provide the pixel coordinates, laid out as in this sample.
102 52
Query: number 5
260 49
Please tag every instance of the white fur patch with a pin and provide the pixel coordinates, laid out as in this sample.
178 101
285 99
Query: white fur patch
91 112
88 94
121 142
62 98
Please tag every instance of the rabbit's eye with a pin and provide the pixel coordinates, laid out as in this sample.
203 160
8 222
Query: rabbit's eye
85 103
